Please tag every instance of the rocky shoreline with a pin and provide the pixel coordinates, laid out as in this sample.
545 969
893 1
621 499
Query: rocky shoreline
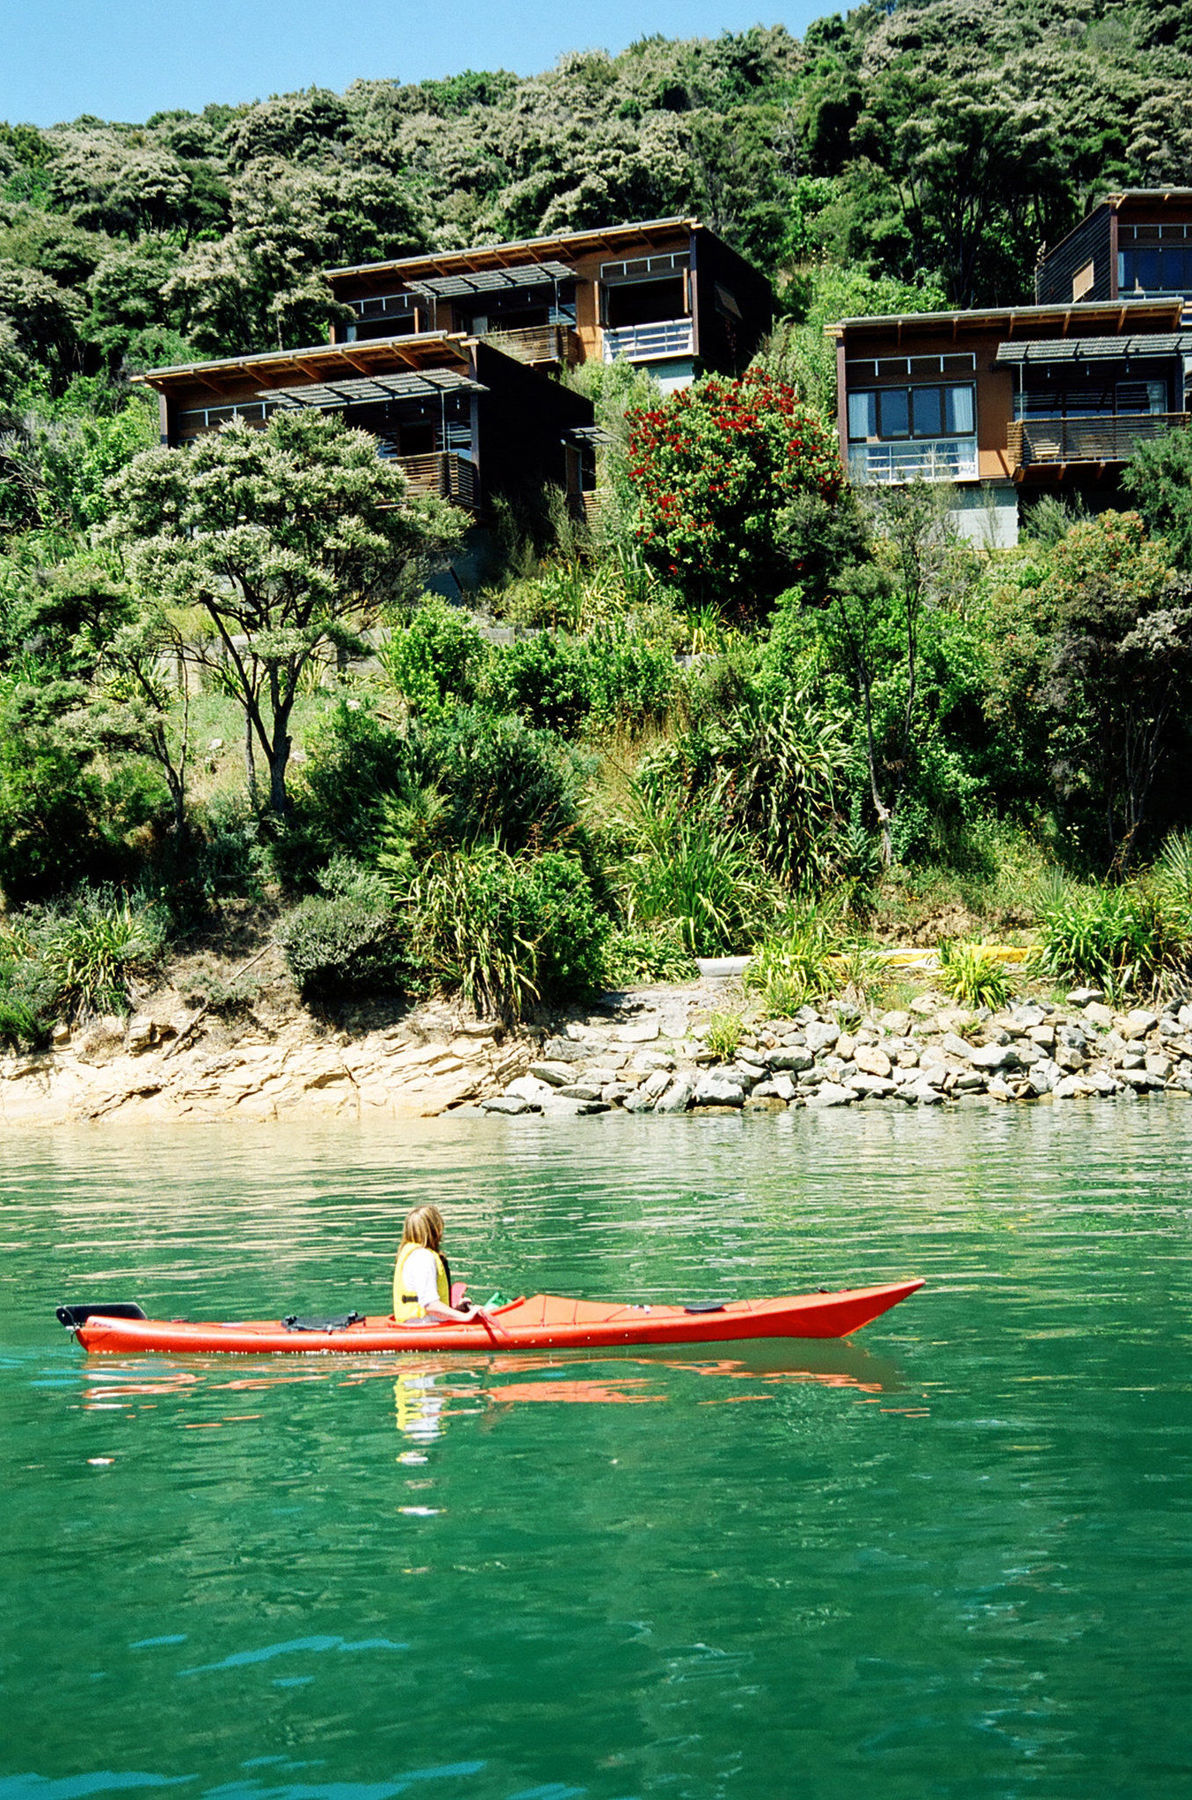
645 1050
931 1054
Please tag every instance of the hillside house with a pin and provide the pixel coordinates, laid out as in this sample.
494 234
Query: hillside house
459 417
666 294
452 360
1133 245
1012 402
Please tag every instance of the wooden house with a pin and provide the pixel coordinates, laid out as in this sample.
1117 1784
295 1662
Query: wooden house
666 294
461 418
1133 245
1010 402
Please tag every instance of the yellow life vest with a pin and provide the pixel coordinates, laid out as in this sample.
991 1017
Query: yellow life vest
405 1305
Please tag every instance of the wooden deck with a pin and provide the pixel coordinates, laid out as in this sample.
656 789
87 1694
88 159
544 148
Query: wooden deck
1109 438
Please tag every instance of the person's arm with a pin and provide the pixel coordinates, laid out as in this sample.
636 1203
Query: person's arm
421 1272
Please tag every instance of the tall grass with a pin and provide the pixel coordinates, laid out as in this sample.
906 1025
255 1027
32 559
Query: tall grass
704 880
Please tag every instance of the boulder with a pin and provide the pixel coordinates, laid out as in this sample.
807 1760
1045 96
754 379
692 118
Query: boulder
794 1057
563 1049
1141 1080
527 1087
1159 1065
716 1088
509 1104
897 1024
872 1061
872 1085
646 1031
994 1056
559 1107
638 1101
555 1074
677 1097
821 1034
830 1093
581 1090
1137 1023
1086 996
1098 1014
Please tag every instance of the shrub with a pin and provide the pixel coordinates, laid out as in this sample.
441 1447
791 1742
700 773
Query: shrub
354 759
971 974
90 950
647 953
723 1034
715 468
347 942
798 964
508 931
561 684
436 656
545 679
502 781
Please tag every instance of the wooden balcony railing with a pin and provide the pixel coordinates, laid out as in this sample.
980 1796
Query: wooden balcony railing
1104 438
539 344
443 472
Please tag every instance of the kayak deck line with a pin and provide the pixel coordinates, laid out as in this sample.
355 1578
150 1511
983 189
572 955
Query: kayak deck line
537 1322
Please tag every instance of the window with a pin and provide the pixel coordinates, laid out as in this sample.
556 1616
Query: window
940 410
1156 270
1083 280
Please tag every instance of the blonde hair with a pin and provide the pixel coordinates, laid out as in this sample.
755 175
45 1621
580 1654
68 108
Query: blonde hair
424 1226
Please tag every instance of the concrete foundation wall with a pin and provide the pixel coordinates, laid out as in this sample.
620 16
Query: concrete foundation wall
987 514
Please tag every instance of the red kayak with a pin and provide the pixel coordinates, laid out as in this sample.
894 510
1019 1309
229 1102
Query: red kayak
542 1322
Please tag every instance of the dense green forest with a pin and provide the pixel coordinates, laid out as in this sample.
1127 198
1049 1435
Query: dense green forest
747 710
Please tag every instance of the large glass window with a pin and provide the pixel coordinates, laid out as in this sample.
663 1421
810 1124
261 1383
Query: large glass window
1152 269
938 410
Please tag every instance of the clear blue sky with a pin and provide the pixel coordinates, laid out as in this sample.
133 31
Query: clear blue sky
127 59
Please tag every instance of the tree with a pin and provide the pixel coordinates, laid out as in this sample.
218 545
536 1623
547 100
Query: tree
289 539
1159 478
715 467
1118 684
878 609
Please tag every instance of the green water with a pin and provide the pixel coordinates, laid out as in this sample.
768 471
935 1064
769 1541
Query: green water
947 1558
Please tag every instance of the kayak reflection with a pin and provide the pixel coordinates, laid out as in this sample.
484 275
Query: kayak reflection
429 1392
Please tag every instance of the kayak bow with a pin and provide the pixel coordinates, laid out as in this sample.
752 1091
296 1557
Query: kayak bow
542 1322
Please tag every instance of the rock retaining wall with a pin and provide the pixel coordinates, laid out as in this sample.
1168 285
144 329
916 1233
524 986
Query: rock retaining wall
930 1055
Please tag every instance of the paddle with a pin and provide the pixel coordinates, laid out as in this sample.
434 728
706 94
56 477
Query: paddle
497 1338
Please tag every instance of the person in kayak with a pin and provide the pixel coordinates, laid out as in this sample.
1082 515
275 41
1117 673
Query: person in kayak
421 1276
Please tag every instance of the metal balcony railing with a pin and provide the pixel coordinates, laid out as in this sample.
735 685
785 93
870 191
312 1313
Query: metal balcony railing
1104 438
914 459
638 343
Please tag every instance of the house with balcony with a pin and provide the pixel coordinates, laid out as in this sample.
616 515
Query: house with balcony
665 294
1004 404
461 418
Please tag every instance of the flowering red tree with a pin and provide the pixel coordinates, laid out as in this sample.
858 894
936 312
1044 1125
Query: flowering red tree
717 469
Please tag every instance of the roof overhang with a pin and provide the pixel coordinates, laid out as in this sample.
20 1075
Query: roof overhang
319 362
1022 321
491 281
1096 349
372 390
565 244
